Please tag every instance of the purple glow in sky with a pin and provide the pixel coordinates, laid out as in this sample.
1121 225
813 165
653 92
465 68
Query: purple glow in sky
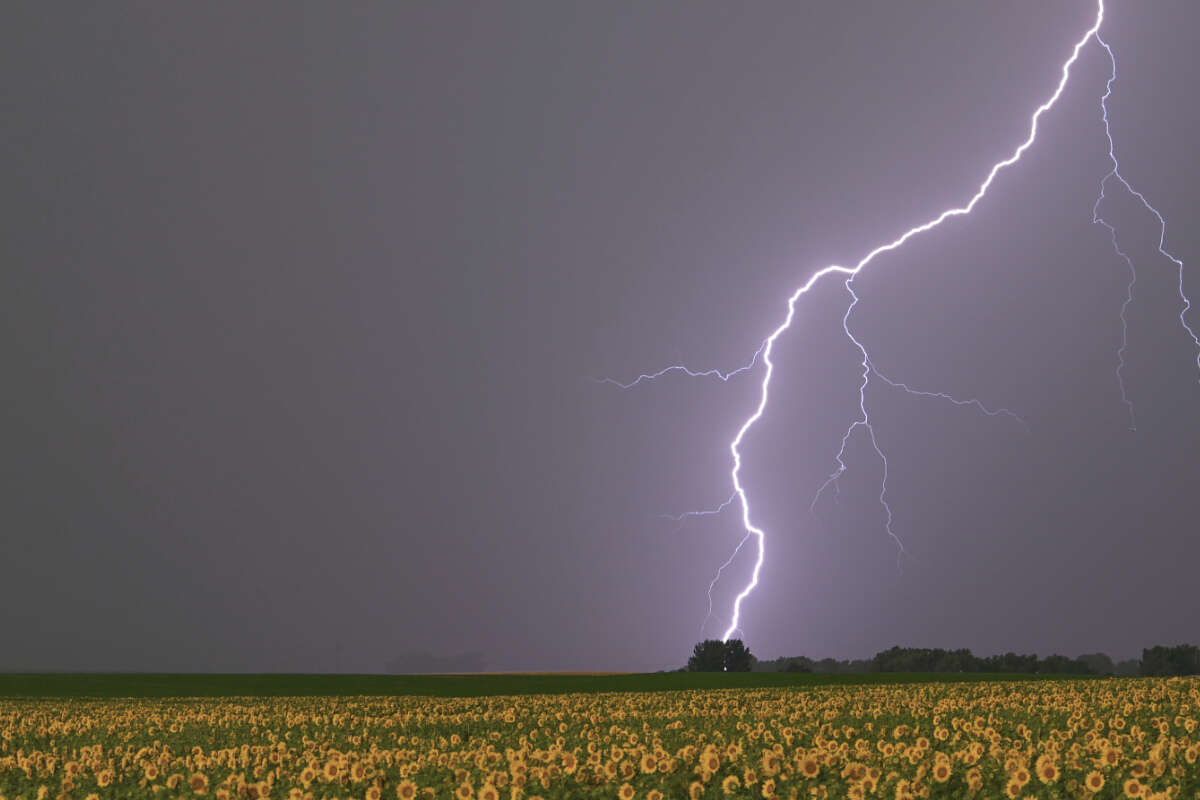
864 420
301 301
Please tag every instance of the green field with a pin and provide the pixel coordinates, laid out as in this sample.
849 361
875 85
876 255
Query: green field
299 685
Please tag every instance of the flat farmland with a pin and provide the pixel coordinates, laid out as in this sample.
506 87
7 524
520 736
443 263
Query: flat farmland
1102 738
458 685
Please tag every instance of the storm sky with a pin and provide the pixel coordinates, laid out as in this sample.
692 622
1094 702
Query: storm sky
303 304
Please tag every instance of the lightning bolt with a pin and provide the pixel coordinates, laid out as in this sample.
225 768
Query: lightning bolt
717 577
764 351
1115 172
970 402
705 513
691 373
863 421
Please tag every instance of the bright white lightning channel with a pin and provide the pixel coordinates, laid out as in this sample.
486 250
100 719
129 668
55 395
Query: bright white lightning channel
765 349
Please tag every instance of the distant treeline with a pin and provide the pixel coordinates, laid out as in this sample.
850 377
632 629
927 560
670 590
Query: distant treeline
1182 659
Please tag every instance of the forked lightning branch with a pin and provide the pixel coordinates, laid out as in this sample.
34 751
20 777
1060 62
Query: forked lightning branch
761 359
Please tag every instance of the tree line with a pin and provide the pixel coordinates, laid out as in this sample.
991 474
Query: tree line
714 655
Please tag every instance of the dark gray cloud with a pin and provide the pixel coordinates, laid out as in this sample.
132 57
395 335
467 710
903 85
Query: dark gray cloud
301 304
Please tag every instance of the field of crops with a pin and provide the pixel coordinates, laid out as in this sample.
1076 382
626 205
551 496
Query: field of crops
1098 738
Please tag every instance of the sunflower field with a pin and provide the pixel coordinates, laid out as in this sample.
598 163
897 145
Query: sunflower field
1045 739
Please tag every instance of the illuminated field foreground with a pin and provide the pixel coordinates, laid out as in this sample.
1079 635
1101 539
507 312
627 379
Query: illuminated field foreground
1104 738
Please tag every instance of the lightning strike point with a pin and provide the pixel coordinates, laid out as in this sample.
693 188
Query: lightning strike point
764 351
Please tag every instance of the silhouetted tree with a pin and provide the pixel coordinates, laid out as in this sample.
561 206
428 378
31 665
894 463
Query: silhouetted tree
1061 665
1186 659
1182 659
707 656
714 655
1155 661
737 657
1098 663
1009 662
918 659
1179 660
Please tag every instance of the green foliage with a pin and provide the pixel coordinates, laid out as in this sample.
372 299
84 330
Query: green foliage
1167 661
667 744
1098 663
708 656
737 656
1011 662
1061 665
714 655
1160 661
913 659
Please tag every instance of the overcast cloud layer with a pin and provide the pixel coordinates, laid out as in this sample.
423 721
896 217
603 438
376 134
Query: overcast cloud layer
302 303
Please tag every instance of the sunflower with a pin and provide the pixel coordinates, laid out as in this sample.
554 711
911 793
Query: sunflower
199 783
809 767
1047 771
730 784
625 792
941 771
464 792
768 788
695 790
649 763
1094 781
373 793
1133 788
654 794
488 792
